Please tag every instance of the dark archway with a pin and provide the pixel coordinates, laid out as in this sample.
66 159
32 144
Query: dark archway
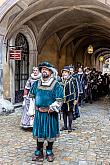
21 67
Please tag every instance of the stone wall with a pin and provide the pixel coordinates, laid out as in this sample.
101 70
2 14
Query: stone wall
6 81
63 57
49 52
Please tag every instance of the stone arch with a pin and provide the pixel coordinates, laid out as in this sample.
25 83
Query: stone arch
27 32
6 6
100 50
106 55
97 52
72 34
46 28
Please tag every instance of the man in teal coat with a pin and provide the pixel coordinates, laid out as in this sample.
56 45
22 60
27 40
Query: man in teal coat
48 94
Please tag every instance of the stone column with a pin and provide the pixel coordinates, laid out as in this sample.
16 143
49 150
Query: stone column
6 106
1 66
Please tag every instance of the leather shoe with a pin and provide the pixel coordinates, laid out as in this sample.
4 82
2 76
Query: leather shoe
50 158
37 158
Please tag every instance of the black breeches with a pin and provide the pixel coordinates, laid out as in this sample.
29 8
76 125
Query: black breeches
40 145
50 145
68 114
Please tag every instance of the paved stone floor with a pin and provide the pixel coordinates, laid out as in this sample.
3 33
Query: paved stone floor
89 144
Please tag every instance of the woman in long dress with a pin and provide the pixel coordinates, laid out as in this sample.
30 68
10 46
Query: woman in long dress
27 119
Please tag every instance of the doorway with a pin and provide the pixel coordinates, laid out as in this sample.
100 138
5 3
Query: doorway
21 67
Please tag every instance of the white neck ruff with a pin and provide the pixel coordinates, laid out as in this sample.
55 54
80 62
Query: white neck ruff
80 72
35 77
48 81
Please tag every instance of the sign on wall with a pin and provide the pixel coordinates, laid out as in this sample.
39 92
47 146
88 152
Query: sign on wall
15 54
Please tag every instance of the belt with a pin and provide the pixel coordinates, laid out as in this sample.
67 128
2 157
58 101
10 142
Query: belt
42 109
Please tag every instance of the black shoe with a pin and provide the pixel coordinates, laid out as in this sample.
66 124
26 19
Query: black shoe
77 115
63 128
74 117
38 158
69 129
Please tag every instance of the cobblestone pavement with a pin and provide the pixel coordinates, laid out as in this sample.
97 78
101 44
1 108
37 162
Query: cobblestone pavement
89 144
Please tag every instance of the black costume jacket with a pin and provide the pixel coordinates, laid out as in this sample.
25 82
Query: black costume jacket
70 93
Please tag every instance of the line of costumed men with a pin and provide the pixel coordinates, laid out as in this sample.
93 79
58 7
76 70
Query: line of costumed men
51 96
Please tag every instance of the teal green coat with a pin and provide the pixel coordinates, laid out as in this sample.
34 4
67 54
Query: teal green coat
46 125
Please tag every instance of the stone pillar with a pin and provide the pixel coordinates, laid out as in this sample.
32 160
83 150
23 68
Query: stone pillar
6 106
1 66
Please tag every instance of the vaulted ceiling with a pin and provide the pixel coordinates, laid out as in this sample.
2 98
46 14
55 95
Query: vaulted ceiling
79 21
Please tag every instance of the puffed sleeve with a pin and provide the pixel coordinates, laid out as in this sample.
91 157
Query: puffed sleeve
32 92
59 93
28 84
59 96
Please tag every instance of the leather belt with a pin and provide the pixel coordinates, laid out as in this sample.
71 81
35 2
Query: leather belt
42 109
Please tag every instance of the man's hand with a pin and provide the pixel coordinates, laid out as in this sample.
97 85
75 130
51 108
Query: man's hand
75 102
50 111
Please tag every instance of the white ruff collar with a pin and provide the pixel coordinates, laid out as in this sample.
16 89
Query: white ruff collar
35 77
47 82
80 72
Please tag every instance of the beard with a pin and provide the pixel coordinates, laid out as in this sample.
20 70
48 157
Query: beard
45 75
